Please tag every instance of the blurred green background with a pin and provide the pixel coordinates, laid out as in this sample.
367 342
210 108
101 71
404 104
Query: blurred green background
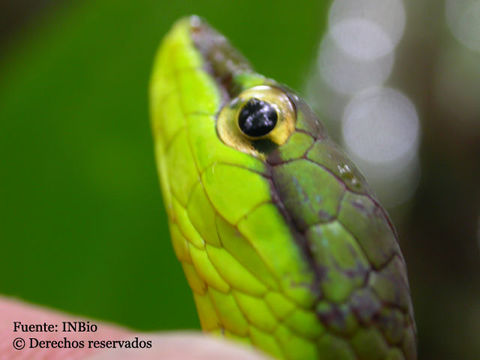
82 225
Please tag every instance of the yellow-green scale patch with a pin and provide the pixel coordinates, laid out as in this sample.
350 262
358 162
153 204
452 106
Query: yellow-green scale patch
234 273
194 280
294 346
202 216
185 226
230 315
206 311
338 253
268 234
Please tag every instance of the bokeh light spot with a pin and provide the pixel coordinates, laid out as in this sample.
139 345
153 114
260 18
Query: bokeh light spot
463 18
362 39
347 75
367 29
380 125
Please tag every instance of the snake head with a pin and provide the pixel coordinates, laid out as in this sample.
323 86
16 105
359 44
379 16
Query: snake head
282 242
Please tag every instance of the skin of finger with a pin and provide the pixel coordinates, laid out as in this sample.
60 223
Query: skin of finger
168 346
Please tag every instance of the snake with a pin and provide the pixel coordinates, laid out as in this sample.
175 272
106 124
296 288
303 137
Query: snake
285 247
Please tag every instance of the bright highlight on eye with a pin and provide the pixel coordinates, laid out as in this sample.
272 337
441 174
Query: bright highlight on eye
259 116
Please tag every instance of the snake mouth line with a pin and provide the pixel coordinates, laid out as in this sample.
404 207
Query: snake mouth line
222 61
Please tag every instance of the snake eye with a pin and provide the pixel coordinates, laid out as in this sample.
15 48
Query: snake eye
257 118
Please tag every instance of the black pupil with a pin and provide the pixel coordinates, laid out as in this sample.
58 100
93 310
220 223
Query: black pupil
257 118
